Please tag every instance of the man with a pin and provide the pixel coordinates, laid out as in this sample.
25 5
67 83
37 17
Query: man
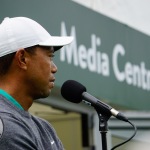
26 74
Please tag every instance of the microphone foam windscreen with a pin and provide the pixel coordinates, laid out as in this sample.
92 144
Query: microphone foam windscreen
72 91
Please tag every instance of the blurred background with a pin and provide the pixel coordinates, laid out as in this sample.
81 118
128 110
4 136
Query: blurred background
109 56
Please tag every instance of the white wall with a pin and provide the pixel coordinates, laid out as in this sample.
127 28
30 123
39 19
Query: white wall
135 13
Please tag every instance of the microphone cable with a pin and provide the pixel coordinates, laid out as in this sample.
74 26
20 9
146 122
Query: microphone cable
75 92
135 130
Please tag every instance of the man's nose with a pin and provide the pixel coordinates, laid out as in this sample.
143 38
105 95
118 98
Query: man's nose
54 68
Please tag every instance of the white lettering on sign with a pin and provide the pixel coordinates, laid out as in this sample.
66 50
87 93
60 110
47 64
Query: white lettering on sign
133 74
98 62
118 50
85 58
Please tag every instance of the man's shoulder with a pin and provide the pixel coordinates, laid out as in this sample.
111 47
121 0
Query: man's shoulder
4 104
10 123
14 131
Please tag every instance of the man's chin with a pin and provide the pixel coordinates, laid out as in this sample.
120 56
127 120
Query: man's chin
43 95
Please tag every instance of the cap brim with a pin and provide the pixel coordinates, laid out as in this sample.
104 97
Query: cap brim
57 42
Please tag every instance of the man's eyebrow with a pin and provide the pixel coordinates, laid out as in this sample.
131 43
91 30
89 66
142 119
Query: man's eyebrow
51 49
48 48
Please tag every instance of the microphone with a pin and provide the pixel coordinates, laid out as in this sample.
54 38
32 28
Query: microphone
75 92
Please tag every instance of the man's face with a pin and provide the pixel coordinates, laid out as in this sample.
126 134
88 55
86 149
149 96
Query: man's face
41 70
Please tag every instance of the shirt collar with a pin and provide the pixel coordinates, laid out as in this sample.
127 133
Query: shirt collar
11 99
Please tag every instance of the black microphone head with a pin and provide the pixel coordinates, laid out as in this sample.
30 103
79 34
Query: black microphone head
72 91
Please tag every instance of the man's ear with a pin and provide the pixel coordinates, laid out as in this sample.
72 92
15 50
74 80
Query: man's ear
22 58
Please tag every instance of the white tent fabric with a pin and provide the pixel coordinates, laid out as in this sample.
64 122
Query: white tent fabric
134 13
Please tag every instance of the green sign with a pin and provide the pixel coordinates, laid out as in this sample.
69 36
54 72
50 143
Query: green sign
109 58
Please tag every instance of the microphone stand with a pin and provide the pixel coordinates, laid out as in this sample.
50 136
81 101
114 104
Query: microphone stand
103 126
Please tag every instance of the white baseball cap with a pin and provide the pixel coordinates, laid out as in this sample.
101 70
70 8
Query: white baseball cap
22 32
